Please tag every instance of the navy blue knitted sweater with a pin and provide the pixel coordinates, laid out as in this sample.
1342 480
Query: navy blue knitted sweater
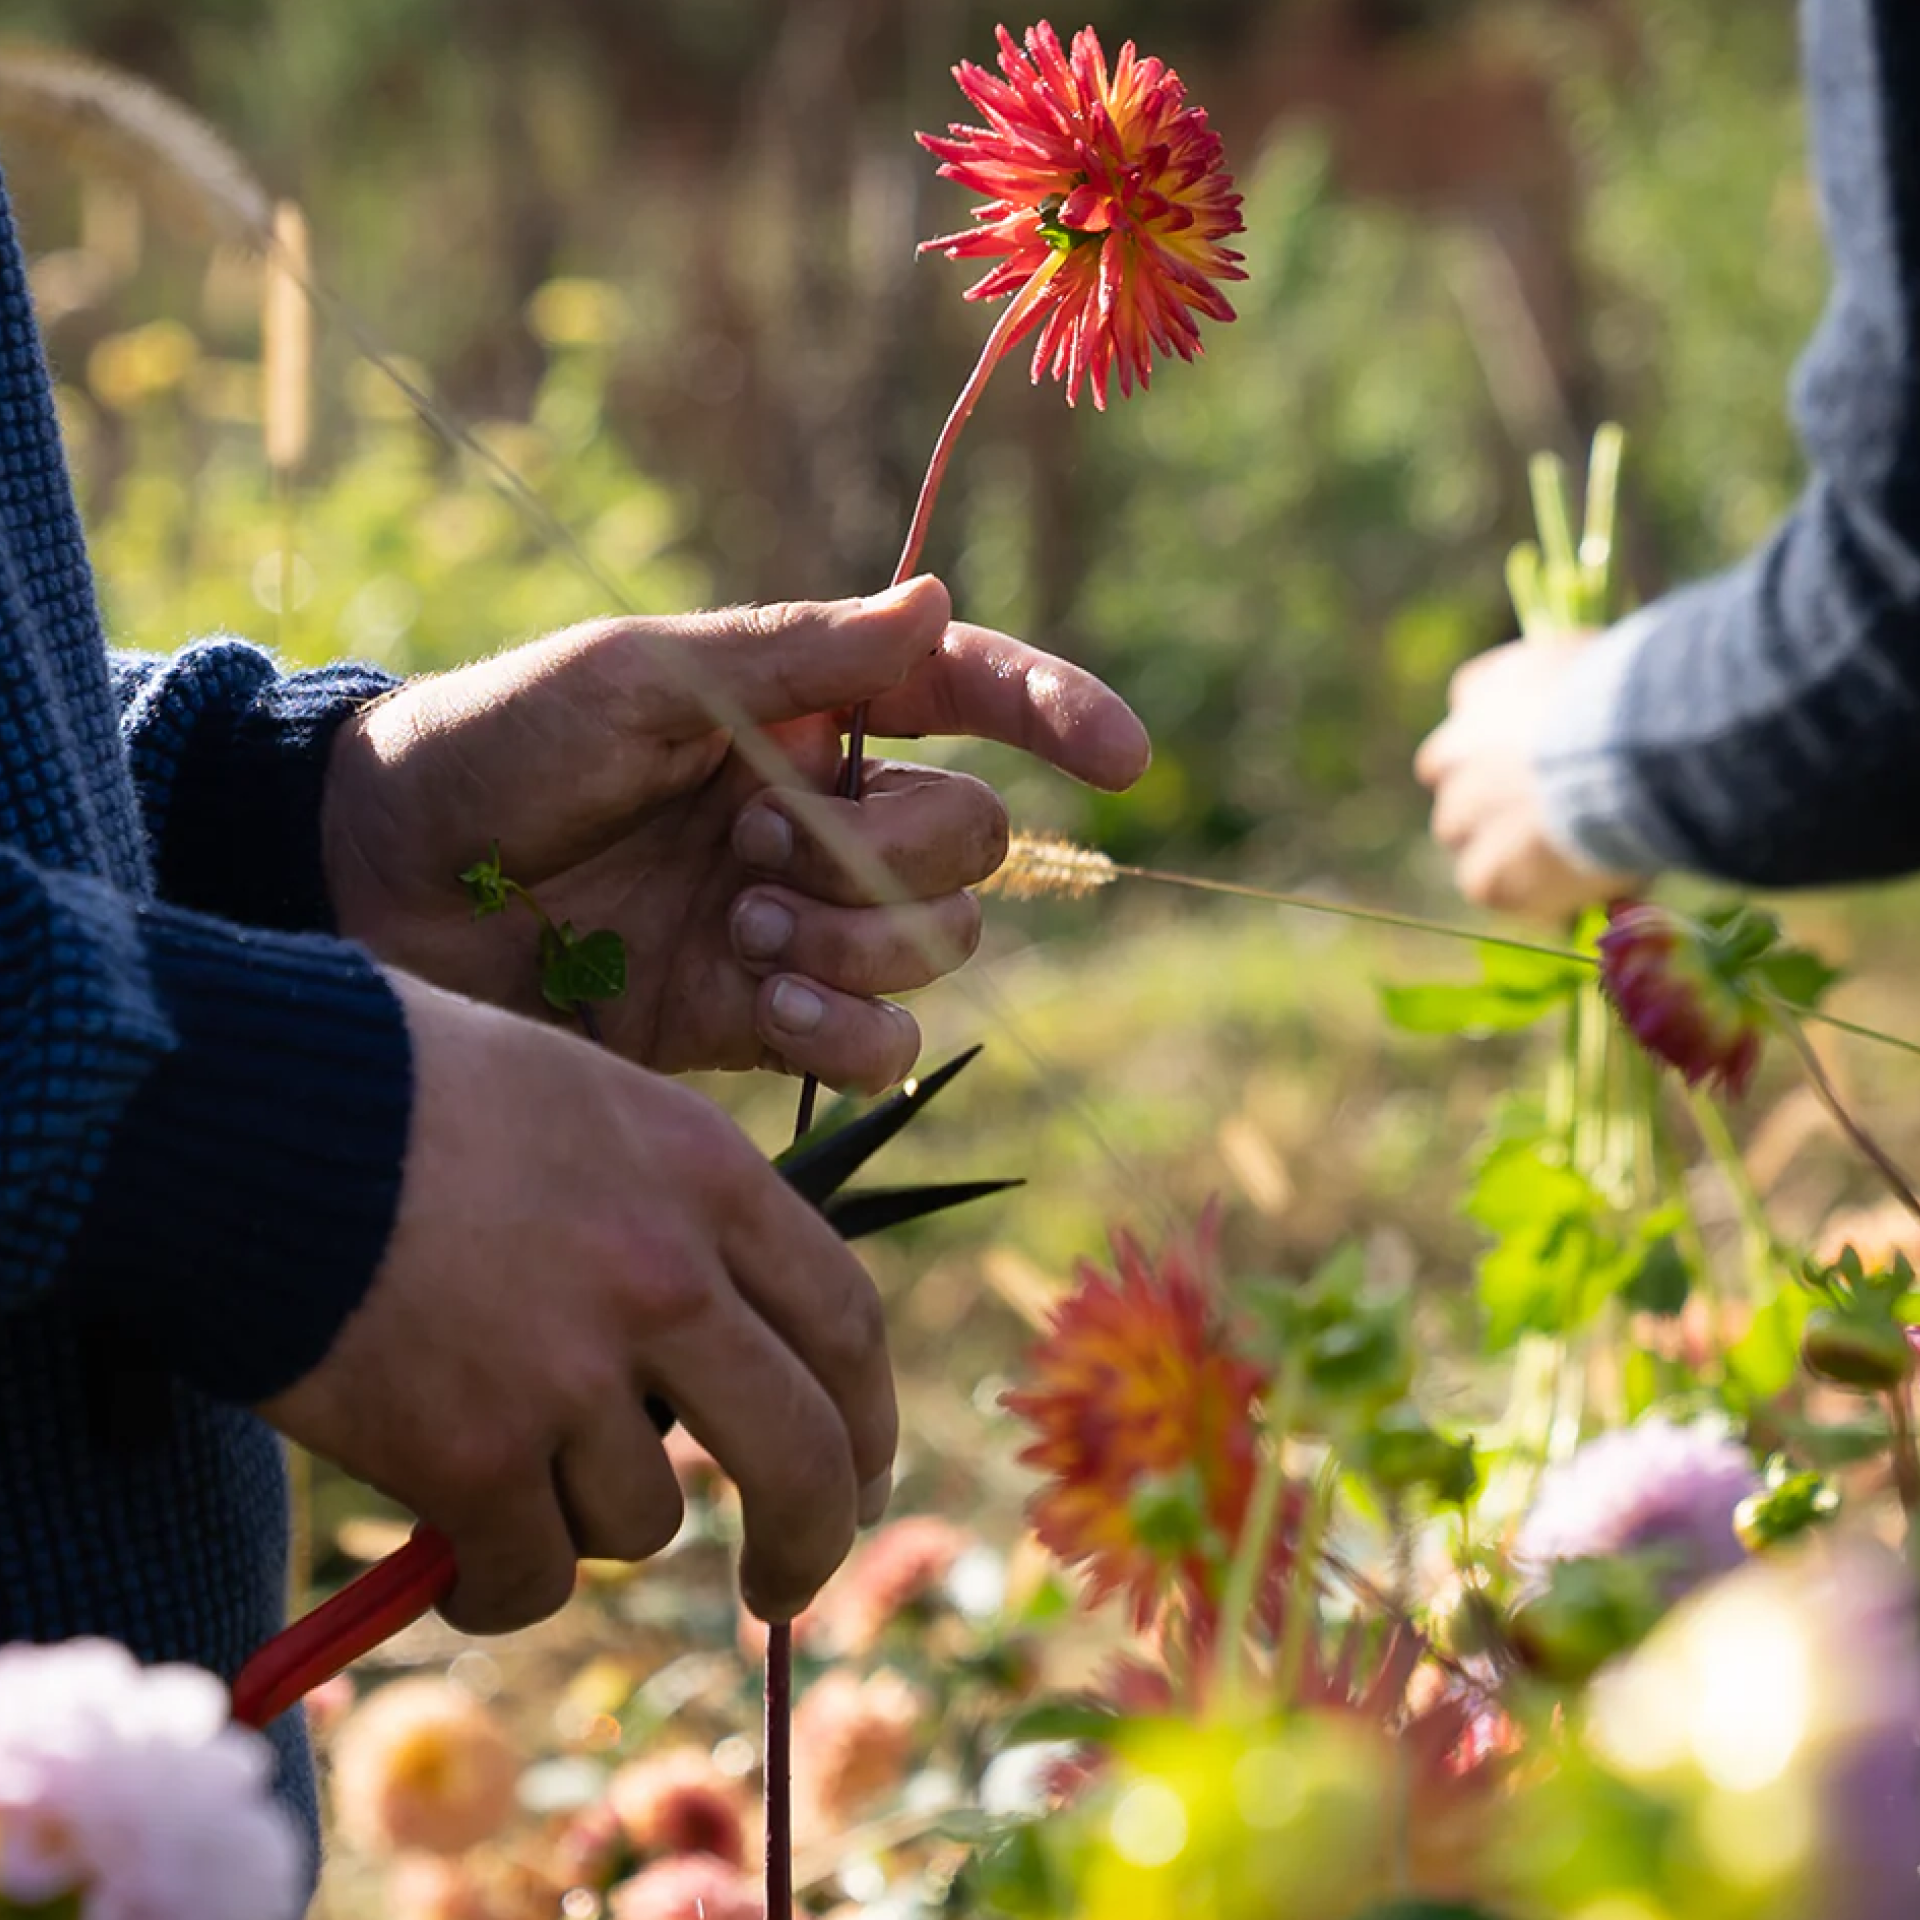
203 1098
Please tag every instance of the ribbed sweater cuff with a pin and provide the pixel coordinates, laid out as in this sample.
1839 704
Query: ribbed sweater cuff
251 1186
242 833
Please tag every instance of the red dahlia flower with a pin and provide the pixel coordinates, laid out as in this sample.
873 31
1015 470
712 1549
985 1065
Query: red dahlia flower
1136 1388
1108 200
1675 985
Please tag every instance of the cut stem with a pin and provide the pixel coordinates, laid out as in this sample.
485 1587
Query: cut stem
1817 1076
779 1785
1017 312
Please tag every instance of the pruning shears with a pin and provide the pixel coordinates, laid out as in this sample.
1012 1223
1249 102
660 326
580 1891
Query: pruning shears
410 1582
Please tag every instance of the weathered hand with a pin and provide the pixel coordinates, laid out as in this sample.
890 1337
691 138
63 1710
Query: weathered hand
1486 796
750 912
573 1235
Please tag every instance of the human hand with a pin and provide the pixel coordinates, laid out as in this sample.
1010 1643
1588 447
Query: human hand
575 1233
1486 796
750 912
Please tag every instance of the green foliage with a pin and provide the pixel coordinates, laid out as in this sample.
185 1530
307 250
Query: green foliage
487 886
1561 1249
578 967
1517 989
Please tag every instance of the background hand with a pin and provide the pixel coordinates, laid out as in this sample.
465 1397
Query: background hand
1487 810
613 796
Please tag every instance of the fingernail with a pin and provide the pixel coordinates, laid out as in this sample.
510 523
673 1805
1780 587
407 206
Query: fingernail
874 1497
761 927
896 596
763 838
796 1008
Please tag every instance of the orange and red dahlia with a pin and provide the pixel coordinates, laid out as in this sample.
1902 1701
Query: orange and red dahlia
1137 1393
1108 197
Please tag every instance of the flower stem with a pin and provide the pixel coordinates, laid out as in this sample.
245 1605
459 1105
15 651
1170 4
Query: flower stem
1238 1603
1340 909
1013 317
1304 1584
779 1770
779 1786
1829 1096
1763 1248
1906 1455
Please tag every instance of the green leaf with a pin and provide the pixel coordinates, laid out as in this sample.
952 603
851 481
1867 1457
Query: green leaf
600 966
1517 989
1764 1360
1425 1910
487 886
1518 1186
1560 1252
1800 978
1663 1281
1062 1720
577 967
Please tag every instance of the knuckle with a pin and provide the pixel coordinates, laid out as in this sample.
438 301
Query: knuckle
855 1334
477 1458
647 1527
993 833
766 619
969 923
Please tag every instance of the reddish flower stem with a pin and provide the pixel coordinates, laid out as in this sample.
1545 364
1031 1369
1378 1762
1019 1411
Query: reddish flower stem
1870 1149
779 1772
1013 316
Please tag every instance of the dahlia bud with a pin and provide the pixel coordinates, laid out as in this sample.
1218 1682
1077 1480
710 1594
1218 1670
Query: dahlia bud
1855 1349
1680 988
1791 1504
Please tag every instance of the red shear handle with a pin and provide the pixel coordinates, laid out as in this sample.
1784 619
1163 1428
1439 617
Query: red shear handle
373 1608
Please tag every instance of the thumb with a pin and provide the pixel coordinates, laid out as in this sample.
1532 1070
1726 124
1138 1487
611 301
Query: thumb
766 664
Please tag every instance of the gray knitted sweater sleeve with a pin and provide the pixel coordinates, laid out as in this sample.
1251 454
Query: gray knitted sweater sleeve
1764 726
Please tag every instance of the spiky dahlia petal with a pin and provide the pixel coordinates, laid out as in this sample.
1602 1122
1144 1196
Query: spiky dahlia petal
1111 162
1135 1384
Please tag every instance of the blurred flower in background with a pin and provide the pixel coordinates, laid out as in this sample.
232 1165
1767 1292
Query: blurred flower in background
423 1764
126 1794
1145 1416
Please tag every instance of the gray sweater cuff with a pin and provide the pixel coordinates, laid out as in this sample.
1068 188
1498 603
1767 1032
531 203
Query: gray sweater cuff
1594 810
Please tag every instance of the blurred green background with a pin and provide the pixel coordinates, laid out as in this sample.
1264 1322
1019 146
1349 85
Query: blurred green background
660 253
664 251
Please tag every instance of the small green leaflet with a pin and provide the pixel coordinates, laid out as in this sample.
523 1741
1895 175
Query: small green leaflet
576 967
1517 989
1561 1250
487 885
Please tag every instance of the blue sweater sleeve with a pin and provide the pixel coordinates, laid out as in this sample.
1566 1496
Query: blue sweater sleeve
229 761
205 1126
1760 726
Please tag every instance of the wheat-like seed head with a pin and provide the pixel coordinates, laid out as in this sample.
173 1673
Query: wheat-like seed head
1044 866
286 342
104 122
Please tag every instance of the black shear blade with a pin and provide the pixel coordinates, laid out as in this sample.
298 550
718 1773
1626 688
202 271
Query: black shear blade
818 1169
875 1209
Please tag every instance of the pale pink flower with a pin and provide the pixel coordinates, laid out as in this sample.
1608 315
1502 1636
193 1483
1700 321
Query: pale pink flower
1653 1487
695 1886
680 1802
329 1703
132 1784
590 1847
424 1765
423 1886
853 1740
901 1566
